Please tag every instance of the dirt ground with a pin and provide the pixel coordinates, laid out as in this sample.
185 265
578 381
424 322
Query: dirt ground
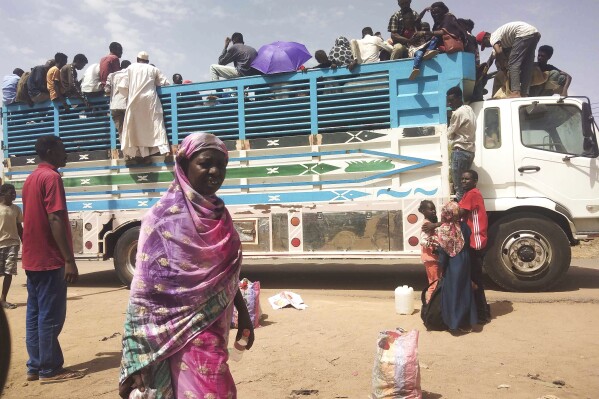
327 350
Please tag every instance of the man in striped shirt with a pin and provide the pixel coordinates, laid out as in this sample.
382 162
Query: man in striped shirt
472 210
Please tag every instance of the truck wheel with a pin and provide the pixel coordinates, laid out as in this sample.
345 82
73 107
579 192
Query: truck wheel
125 252
527 253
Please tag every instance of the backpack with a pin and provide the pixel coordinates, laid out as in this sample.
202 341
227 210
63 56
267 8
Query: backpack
431 312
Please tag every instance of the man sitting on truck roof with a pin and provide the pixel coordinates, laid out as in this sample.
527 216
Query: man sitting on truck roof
37 83
53 80
396 28
369 47
514 45
460 133
239 54
68 78
9 86
557 79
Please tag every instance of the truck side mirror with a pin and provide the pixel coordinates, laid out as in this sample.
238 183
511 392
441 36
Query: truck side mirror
587 120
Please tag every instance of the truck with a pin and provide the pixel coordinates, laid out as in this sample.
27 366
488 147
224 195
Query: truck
330 164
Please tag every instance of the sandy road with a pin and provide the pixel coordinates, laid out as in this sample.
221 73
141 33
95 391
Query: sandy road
533 340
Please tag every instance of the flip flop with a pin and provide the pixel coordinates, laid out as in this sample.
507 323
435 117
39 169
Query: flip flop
64 375
8 305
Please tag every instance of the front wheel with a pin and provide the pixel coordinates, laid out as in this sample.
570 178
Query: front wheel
527 253
125 253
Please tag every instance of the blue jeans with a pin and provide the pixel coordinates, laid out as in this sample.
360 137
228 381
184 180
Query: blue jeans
46 313
461 161
420 53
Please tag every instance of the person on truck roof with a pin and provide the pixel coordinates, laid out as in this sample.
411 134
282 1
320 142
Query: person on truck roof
144 133
118 102
111 62
514 46
9 86
559 81
54 83
240 54
461 130
369 47
397 29
37 83
68 78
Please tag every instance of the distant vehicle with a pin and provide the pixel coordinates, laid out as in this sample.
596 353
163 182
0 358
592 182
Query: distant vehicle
331 165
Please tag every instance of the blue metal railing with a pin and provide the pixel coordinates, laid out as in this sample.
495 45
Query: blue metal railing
373 96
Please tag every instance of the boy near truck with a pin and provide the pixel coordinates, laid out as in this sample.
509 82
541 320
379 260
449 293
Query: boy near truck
11 233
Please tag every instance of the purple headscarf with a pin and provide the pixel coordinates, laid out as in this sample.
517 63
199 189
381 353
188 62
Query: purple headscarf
187 270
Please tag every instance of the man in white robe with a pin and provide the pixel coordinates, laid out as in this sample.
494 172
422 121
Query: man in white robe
144 133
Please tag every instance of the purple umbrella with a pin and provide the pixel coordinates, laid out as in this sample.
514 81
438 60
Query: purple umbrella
281 57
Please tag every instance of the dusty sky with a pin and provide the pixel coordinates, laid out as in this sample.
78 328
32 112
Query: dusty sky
186 36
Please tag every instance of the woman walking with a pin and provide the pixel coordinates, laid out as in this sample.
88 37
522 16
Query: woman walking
185 285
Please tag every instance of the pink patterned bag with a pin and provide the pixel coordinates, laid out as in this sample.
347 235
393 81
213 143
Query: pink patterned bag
251 296
396 372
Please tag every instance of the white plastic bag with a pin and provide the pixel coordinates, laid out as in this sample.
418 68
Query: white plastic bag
396 372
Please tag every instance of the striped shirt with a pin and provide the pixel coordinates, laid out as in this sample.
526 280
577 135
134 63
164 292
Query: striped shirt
473 202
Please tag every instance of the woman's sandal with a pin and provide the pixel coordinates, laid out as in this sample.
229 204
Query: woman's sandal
63 375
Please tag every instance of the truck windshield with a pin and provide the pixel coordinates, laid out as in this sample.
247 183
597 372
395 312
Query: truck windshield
555 128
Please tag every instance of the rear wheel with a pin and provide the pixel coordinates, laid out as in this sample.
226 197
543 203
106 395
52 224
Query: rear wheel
125 253
527 253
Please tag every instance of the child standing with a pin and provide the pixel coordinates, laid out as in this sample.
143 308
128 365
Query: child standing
11 233
429 244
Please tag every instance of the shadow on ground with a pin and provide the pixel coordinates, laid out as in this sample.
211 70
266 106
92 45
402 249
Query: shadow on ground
380 277
338 276
102 361
102 278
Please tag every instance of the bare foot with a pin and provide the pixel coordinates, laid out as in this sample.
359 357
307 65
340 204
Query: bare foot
515 94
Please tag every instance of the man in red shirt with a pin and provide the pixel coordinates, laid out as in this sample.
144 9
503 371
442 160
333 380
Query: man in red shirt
48 262
110 63
472 210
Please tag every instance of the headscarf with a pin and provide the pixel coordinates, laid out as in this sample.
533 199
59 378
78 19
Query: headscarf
448 22
341 52
449 234
187 271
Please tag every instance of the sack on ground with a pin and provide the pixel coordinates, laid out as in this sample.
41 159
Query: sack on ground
431 312
251 296
396 372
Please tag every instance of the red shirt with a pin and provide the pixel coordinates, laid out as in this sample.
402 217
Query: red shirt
108 65
43 193
477 217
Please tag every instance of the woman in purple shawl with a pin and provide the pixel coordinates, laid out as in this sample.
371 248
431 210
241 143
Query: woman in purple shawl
185 285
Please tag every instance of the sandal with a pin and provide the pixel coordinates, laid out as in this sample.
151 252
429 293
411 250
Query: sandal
33 377
63 375
8 305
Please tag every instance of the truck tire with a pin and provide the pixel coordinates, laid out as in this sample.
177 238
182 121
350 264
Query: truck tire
125 252
527 253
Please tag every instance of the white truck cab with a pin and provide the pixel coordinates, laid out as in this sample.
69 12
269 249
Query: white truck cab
538 166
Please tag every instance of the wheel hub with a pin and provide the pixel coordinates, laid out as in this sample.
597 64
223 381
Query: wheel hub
526 253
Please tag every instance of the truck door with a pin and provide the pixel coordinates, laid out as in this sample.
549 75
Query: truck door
551 160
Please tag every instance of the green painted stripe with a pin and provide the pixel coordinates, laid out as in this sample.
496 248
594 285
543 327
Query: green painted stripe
232 173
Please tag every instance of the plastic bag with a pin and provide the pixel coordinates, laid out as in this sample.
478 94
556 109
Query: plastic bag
396 372
251 296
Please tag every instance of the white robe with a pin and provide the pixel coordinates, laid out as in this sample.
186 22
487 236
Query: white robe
143 130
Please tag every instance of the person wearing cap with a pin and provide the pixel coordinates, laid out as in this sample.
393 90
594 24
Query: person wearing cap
110 63
144 133
514 45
